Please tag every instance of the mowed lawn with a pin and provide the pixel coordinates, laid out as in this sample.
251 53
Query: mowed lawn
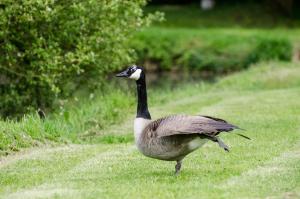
265 100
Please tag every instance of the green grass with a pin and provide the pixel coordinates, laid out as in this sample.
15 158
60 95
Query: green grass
264 100
76 121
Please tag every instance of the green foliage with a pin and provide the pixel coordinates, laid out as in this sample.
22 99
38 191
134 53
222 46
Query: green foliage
209 59
272 49
216 51
155 45
52 47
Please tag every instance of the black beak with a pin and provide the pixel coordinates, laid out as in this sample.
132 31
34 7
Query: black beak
122 74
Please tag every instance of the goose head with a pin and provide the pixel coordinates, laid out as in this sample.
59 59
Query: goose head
132 72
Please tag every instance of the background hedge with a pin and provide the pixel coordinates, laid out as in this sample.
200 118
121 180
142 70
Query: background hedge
208 50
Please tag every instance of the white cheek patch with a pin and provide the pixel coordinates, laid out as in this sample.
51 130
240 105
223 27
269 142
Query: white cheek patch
136 75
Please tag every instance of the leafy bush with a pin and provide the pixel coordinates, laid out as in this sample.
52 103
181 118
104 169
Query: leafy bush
270 49
52 47
156 46
208 50
207 59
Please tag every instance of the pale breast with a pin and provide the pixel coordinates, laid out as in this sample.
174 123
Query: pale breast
139 126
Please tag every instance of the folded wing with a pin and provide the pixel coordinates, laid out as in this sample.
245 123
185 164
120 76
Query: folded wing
184 124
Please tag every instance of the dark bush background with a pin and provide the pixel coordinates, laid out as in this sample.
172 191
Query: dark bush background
283 7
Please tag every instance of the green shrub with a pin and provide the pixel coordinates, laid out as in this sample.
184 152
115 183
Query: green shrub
272 49
209 50
52 47
208 59
159 47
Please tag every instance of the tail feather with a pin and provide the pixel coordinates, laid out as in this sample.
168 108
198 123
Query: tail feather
231 127
224 126
243 136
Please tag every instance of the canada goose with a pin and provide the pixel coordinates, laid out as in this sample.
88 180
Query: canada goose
173 137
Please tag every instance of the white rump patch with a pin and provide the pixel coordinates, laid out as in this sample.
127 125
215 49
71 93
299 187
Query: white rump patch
196 143
136 75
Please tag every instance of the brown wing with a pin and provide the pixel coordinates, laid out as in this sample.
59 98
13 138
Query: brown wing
184 124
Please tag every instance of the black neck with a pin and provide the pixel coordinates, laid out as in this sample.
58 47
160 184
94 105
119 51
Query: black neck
142 107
